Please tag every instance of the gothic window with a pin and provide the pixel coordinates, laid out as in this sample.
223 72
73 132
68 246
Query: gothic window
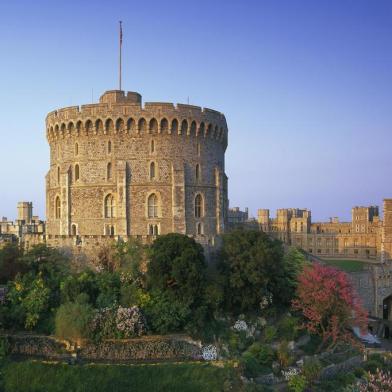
109 171
111 230
152 170
164 125
153 125
76 172
142 125
197 172
152 203
109 206
198 206
153 230
57 207
174 126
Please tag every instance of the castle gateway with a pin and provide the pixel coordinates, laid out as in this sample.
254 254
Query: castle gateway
118 168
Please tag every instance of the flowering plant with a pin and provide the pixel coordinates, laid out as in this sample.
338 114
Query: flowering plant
210 353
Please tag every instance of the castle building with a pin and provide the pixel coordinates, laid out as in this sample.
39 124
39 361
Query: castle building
120 168
360 238
25 226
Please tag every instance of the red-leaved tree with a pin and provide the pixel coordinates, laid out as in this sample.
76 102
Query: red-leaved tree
329 304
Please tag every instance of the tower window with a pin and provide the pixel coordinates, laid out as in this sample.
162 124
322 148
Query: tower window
58 175
153 230
152 146
199 228
198 149
109 206
152 170
152 206
109 147
76 172
57 207
73 230
197 172
76 149
109 171
198 206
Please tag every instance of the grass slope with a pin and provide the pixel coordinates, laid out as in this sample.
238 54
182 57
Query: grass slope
347 265
35 376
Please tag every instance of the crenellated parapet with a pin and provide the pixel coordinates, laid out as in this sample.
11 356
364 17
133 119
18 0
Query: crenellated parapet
118 112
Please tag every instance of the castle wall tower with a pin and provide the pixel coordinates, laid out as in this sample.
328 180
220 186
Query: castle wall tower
121 168
25 211
386 234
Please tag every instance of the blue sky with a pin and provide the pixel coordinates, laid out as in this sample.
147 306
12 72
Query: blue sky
305 86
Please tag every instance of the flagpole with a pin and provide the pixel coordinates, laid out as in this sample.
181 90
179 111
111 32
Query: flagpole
120 55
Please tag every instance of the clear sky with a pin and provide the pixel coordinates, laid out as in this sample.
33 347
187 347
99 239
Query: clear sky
306 87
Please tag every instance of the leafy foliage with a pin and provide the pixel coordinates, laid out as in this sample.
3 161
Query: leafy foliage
330 305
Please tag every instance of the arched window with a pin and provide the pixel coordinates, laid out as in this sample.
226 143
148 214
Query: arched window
58 175
109 147
142 125
109 206
155 231
76 149
109 171
152 146
73 230
198 206
152 203
199 228
164 125
57 208
152 170
76 172
111 230
197 172
153 125
175 126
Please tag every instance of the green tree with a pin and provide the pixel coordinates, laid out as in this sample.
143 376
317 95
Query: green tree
10 263
177 267
253 268
73 321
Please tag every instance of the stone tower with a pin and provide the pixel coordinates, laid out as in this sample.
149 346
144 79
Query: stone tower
120 168
25 211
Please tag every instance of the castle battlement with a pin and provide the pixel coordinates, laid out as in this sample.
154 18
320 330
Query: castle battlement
118 112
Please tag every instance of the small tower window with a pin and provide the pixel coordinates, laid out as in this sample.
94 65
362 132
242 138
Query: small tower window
76 149
76 172
198 206
109 147
73 230
109 206
198 149
109 171
152 146
58 175
152 203
57 207
197 172
152 170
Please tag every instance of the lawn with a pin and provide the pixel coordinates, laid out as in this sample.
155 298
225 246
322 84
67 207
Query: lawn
35 376
346 265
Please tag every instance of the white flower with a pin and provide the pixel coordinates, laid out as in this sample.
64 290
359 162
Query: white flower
210 353
240 325
290 372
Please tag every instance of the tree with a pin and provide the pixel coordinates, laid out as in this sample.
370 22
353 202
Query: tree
73 321
252 267
10 263
177 267
329 304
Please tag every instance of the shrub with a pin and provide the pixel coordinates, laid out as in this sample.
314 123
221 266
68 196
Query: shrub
311 370
251 365
288 328
377 382
297 383
283 355
263 353
73 320
270 333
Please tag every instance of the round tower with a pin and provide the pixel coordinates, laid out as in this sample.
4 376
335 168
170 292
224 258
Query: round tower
124 169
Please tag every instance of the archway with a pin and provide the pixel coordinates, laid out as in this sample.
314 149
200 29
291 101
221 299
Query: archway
387 308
